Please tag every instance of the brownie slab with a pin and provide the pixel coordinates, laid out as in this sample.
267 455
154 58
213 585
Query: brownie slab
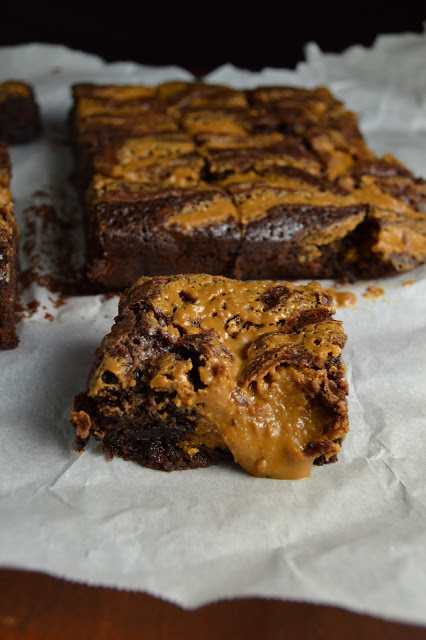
19 113
199 369
310 199
8 256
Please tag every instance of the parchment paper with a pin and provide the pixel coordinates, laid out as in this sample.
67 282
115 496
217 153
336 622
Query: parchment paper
353 534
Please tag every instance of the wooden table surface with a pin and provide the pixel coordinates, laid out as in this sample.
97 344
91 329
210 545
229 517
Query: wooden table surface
34 606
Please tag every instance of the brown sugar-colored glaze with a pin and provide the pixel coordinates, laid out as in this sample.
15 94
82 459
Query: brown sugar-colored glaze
19 113
201 368
8 256
309 198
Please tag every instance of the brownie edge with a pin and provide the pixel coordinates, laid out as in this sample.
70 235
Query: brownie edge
9 234
19 113
198 369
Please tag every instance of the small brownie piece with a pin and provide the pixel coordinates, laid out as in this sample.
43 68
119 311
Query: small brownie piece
136 229
19 113
199 369
8 256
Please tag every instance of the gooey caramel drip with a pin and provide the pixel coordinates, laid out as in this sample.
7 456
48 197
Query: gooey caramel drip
262 414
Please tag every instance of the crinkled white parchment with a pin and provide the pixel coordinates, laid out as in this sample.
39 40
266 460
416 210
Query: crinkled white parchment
352 535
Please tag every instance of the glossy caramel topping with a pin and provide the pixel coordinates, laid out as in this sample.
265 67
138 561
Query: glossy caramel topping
210 141
89 107
400 239
199 122
254 203
127 124
204 213
164 158
118 367
235 310
343 298
151 148
268 433
386 204
373 292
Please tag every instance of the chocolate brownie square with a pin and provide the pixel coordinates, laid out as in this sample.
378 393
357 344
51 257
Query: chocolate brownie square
198 369
135 229
163 158
111 113
302 232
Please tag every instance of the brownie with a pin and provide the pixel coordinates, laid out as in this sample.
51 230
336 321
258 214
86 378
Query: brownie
198 369
104 114
134 228
19 113
304 231
256 153
163 158
309 198
393 236
8 256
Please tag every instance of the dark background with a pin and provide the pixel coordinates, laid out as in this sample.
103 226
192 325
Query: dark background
202 36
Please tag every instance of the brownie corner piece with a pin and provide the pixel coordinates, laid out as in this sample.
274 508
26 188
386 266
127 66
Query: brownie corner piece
19 113
200 368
